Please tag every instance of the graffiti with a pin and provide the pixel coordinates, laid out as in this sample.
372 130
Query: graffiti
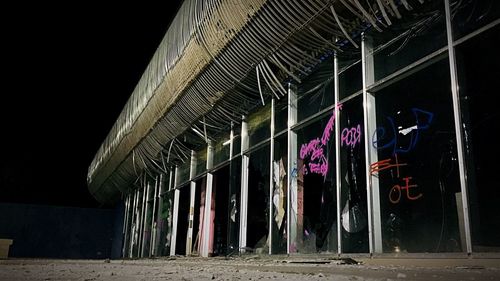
314 148
385 164
396 191
350 136
390 138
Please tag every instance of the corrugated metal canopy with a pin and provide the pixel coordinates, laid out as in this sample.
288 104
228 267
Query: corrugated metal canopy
207 69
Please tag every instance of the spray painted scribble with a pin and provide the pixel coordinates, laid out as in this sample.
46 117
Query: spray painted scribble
385 164
396 190
350 136
314 149
382 140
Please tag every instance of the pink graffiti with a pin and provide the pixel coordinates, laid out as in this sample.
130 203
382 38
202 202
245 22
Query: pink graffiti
309 148
314 148
319 168
351 136
329 126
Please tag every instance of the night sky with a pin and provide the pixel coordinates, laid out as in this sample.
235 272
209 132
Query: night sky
68 71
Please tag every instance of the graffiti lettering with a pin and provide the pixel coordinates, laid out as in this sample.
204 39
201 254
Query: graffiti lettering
314 148
351 136
385 164
397 191
319 168
309 148
382 139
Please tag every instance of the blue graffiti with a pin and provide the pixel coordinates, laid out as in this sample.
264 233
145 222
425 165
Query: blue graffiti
382 139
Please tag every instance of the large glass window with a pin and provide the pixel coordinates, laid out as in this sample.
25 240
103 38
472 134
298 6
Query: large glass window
479 69
408 39
258 125
183 172
279 196
164 218
220 202
164 223
316 92
258 200
353 203
350 79
281 115
234 205
201 161
316 188
468 16
416 166
182 220
221 150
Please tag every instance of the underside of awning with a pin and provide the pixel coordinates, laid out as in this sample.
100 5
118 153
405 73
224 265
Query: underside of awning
219 60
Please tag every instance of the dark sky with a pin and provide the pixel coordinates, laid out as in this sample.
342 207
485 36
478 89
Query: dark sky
68 71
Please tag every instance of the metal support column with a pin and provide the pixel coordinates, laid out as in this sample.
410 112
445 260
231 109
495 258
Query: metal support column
154 216
192 184
271 180
291 212
369 123
125 231
338 181
175 214
244 185
145 204
458 127
208 202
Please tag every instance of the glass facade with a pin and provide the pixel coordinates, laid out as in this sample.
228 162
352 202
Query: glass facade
374 152
316 187
478 72
353 195
416 167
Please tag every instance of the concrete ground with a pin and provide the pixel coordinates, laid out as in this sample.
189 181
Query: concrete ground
252 268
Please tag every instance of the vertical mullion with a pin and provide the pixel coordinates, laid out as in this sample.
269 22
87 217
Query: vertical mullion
244 186
271 181
208 202
458 127
175 219
338 181
292 167
367 155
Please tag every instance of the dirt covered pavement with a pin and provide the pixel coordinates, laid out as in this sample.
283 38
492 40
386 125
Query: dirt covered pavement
249 268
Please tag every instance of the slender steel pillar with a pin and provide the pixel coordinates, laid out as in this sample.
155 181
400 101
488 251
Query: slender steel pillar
338 181
192 184
244 186
458 128
175 212
208 202
292 171
271 180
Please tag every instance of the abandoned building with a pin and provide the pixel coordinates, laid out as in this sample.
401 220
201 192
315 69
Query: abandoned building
311 127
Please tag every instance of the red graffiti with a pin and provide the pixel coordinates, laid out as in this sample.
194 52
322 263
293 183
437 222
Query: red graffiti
385 164
397 190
